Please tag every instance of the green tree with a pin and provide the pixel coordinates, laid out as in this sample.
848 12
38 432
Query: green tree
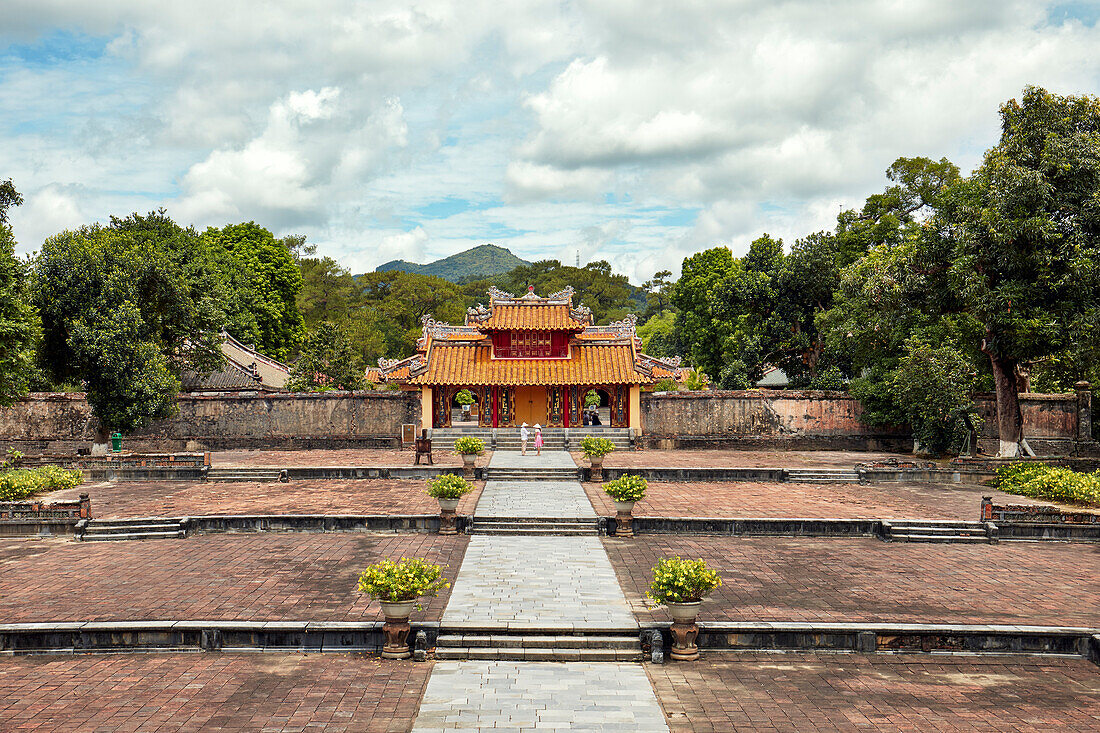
265 281
124 309
771 302
396 301
328 361
702 331
329 292
19 325
1020 242
658 335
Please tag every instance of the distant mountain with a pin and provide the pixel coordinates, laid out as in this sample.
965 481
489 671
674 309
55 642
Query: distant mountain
478 262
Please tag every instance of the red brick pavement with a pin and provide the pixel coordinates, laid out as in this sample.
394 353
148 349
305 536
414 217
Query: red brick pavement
442 455
739 458
208 577
321 496
804 692
846 501
858 580
226 692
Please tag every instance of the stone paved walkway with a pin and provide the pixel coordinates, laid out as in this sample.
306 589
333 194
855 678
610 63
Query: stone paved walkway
543 696
564 499
537 583
548 459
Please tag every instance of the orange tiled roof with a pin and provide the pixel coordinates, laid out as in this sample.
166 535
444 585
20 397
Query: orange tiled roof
471 364
531 317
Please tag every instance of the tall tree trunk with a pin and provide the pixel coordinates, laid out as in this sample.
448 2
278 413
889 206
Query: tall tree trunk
1010 421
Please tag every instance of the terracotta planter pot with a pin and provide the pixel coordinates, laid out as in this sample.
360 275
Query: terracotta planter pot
624 507
684 631
597 467
448 505
396 629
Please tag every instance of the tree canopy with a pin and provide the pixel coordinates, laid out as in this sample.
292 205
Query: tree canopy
19 323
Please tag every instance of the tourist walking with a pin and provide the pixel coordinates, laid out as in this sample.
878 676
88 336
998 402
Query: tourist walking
538 439
523 439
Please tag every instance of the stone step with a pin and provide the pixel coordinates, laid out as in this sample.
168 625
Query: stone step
937 538
533 532
179 534
541 655
93 528
117 530
269 475
539 641
933 531
533 520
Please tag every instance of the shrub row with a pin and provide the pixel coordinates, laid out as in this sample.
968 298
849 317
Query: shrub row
20 483
1040 481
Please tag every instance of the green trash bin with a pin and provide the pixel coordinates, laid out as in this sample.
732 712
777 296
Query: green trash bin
116 442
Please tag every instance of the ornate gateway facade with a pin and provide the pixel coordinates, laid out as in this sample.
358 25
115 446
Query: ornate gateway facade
529 359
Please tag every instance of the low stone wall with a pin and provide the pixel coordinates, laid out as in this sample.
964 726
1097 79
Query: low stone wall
1031 513
36 517
1054 424
785 419
46 422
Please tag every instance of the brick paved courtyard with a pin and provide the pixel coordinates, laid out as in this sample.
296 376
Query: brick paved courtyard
190 692
723 458
843 501
208 577
806 692
442 455
842 580
179 498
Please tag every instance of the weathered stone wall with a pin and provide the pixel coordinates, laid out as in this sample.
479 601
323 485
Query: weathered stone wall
1054 424
764 418
63 422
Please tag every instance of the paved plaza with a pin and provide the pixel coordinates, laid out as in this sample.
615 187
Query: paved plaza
170 693
785 693
269 577
199 498
539 696
561 583
867 580
560 499
821 501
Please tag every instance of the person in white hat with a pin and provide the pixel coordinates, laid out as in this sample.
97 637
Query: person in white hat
523 439
538 439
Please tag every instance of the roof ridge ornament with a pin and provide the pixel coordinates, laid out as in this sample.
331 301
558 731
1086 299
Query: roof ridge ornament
581 313
478 314
496 293
565 293
625 327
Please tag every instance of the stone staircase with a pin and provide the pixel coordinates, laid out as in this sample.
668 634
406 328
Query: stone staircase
116 530
534 526
257 474
933 530
822 476
532 474
624 646
507 439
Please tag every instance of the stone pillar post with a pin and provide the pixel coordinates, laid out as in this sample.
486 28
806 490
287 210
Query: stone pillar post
1084 411
85 507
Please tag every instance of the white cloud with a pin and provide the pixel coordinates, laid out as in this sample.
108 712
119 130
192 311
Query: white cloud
587 125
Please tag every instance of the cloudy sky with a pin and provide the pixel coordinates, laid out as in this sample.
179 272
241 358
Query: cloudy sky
637 132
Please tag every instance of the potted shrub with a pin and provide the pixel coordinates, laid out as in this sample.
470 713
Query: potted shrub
399 586
448 489
625 491
469 448
682 585
465 398
594 450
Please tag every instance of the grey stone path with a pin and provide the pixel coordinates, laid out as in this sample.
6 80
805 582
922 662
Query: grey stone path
538 696
541 499
553 583
548 459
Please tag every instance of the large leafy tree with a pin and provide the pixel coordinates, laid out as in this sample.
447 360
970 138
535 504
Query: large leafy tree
393 303
19 328
770 302
124 309
328 361
702 330
1020 241
265 282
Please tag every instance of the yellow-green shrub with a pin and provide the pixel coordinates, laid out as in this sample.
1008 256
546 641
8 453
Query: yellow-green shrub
21 483
1040 481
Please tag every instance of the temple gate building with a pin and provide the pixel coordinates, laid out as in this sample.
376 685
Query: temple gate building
529 359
